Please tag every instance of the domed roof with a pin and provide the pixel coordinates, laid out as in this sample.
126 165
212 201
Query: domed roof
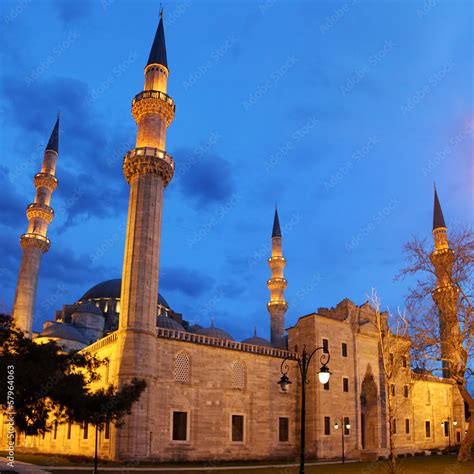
65 331
165 322
257 341
212 331
88 307
111 289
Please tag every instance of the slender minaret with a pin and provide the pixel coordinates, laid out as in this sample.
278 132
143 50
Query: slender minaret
277 306
148 169
34 243
445 294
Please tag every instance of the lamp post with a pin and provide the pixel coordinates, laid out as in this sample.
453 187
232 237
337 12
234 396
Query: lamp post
344 426
303 363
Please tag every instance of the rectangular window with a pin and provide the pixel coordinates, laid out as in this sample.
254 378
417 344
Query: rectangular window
325 346
69 427
238 428
85 433
407 426
107 430
346 426
327 425
391 360
345 384
404 362
344 349
326 385
392 389
446 429
428 429
283 430
405 391
55 434
180 425
394 426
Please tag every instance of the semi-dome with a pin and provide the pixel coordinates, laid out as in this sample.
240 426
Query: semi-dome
165 322
257 341
111 289
212 331
64 331
88 307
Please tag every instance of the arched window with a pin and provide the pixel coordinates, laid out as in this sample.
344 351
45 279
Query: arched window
182 367
238 374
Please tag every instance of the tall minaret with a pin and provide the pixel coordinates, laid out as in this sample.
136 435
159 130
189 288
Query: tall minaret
34 243
277 306
148 169
445 294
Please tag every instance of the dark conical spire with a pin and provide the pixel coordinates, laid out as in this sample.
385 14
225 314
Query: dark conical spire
438 219
158 50
53 142
276 225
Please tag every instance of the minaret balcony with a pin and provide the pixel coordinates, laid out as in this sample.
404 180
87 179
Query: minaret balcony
42 211
277 262
153 102
277 284
148 160
32 240
46 180
277 304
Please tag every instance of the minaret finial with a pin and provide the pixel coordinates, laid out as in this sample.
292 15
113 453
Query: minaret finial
54 138
162 13
255 331
158 49
276 232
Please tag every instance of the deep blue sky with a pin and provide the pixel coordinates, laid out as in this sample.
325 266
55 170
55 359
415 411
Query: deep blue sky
342 113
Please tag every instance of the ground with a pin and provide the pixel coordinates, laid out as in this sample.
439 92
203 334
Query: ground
414 465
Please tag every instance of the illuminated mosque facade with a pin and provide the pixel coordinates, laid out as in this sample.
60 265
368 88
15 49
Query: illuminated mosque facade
209 397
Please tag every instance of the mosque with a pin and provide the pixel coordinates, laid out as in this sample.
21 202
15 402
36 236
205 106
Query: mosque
208 397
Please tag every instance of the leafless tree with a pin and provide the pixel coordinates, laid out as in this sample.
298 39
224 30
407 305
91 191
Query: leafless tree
452 354
394 347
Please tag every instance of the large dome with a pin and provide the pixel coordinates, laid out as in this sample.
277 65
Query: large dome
111 289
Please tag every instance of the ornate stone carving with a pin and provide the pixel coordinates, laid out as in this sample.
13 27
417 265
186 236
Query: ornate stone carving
35 241
46 180
153 102
142 161
42 211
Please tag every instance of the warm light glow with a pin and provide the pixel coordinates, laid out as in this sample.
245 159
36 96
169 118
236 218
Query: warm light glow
324 375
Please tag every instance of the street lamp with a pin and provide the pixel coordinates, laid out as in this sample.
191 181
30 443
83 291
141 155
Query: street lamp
284 382
343 427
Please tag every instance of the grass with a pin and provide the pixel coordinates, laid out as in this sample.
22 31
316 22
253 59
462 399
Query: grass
412 465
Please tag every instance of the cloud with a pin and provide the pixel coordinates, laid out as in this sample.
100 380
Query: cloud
187 281
72 11
13 205
204 179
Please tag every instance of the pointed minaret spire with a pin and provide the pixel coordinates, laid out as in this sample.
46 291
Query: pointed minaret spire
158 50
276 232
277 306
438 218
34 242
54 138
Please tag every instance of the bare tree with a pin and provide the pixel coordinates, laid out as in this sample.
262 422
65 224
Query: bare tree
441 314
394 347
